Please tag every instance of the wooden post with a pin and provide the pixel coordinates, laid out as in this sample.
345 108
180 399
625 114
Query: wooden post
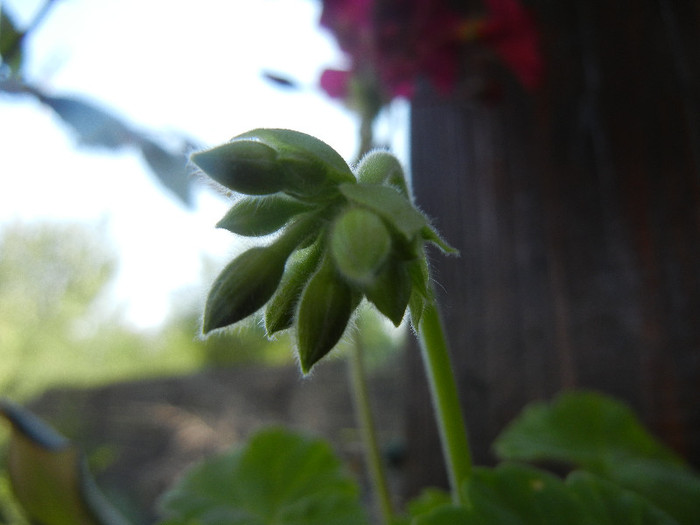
577 214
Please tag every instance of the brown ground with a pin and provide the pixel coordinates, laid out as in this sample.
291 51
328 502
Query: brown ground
141 435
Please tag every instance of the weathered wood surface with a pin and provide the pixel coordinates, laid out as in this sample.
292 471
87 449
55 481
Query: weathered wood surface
577 214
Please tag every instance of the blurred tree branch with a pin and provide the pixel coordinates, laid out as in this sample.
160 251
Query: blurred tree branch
93 125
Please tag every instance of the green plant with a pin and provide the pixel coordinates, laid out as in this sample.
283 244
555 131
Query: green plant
339 236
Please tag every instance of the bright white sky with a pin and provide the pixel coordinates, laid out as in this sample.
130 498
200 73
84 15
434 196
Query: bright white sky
163 66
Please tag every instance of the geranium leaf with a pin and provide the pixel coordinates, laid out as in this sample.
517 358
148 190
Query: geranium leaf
603 436
610 504
579 428
278 478
514 494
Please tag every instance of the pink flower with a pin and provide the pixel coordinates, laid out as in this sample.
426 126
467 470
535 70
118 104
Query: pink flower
512 34
401 41
336 82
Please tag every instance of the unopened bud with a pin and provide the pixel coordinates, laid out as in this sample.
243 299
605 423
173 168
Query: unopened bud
383 168
323 314
256 216
243 287
390 291
281 309
244 166
360 244
312 166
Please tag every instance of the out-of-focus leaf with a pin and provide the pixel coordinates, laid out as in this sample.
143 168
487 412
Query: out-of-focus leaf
579 428
428 500
49 477
514 494
277 478
94 126
11 51
447 515
610 504
603 436
170 168
673 488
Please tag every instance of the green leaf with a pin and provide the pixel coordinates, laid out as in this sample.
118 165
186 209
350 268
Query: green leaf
602 435
428 500
11 51
93 125
256 216
244 166
360 243
610 504
579 428
325 308
514 494
277 478
170 169
281 309
49 477
243 287
389 204
447 515
673 488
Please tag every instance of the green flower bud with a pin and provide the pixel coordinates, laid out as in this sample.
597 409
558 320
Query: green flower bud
398 212
244 166
390 291
313 168
383 168
243 287
281 309
359 244
325 308
390 205
256 216
294 144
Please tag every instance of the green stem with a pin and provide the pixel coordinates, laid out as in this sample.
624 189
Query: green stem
443 389
363 414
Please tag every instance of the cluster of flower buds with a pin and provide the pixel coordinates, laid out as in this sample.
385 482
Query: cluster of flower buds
339 235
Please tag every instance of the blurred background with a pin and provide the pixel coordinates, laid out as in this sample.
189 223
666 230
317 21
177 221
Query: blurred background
107 238
556 145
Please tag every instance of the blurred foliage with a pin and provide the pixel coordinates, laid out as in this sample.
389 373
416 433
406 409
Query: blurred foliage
56 327
92 125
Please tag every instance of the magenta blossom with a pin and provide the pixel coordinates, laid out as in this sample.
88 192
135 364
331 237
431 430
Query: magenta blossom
401 41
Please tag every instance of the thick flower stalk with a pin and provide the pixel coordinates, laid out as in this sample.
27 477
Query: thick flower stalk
338 236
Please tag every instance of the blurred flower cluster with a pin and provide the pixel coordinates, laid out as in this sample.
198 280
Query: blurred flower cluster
392 44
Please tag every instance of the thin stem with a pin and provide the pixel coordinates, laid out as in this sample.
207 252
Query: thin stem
363 413
443 389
